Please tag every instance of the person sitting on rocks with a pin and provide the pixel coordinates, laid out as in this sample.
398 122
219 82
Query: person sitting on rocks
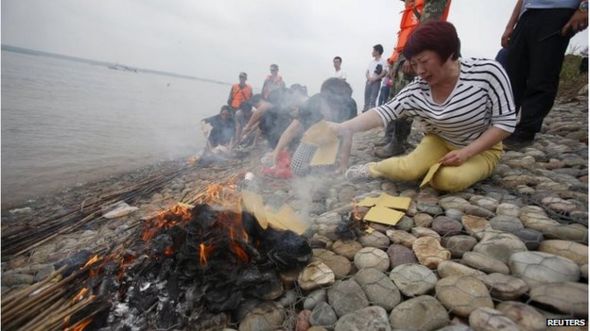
221 137
466 105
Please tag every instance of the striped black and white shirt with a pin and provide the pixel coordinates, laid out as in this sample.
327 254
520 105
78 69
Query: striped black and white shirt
481 98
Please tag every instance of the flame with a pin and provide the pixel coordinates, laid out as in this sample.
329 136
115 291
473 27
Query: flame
239 252
168 251
91 261
167 219
80 326
204 252
192 160
80 295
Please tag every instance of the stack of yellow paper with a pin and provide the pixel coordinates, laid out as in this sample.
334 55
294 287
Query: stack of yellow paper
327 143
382 210
284 219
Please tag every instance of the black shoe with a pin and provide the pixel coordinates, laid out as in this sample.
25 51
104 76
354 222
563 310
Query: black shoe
514 143
392 149
383 141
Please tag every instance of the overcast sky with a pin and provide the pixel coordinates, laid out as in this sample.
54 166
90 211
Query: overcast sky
217 39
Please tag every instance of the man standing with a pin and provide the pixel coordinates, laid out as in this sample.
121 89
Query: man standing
239 93
419 11
338 72
375 72
272 82
537 36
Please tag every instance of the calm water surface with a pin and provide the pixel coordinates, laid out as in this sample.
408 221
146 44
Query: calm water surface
65 123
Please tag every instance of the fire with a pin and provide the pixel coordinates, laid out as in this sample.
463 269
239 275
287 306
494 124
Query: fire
167 219
168 251
91 261
80 326
80 295
239 252
204 252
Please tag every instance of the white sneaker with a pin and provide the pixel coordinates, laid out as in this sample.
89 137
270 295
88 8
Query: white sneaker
356 172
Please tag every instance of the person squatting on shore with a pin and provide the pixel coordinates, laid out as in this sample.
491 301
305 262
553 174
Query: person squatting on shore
466 106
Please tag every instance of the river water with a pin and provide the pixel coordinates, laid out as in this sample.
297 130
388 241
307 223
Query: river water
65 123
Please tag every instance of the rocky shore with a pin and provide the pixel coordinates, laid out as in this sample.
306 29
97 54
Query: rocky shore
507 254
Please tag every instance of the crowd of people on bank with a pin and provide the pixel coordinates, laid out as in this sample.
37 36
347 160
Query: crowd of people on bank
467 108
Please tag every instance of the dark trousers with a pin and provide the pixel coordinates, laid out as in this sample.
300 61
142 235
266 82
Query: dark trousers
535 56
383 95
371 92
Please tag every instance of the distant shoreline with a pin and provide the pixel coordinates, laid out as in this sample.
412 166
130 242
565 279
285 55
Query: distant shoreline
22 50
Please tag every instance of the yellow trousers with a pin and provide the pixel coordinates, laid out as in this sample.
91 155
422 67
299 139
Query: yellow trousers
448 178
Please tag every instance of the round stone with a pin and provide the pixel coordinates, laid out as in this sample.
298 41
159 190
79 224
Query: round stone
401 237
455 214
315 275
267 316
504 287
453 202
475 225
478 211
505 223
499 245
418 232
531 238
375 239
489 319
429 252
379 289
422 219
370 257
370 318
339 264
399 254
508 209
539 268
572 232
485 202
568 249
323 315
451 268
413 279
526 317
314 298
420 313
346 248
567 297
406 223
463 294
459 245
484 263
346 296
446 226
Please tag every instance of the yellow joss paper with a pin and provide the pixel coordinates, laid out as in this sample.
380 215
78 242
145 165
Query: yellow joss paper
325 154
286 219
368 202
319 134
384 215
430 174
253 203
400 203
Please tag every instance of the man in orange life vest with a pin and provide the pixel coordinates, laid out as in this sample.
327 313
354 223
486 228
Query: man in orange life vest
272 82
239 93
415 12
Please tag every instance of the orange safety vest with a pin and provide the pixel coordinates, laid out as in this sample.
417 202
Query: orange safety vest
410 20
240 95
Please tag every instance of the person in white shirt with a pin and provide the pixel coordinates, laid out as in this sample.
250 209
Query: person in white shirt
375 72
338 72
466 105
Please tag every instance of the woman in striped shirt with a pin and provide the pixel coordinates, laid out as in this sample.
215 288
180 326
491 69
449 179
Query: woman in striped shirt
466 106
